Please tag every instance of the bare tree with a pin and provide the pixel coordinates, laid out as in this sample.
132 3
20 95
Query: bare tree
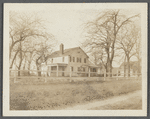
42 50
24 27
127 42
103 32
138 51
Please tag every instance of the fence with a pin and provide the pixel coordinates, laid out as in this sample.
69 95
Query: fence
38 75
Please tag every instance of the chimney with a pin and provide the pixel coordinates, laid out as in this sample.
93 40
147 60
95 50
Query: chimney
61 48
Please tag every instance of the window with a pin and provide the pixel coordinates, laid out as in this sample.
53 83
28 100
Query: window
63 59
52 60
84 60
80 60
94 70
73 59
70 58
71 68
83 69
77 59
53 68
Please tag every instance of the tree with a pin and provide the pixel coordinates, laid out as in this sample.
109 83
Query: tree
96 54
127 42
42 50
103 33
137 49
23 28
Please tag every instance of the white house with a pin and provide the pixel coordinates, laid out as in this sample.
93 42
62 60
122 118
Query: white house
69 62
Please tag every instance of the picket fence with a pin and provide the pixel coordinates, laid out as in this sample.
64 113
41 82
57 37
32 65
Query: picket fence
45 76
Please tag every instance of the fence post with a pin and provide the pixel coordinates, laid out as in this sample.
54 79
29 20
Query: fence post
89 72
46 77
15 77
117 74
105 75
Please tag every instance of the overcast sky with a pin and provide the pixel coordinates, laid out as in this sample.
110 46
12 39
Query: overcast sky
66 22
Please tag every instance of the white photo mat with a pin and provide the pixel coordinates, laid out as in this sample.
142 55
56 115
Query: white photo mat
73 6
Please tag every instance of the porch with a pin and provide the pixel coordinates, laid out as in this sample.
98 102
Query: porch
93 70
57 70
62 70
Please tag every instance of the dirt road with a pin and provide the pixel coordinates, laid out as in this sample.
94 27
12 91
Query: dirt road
129 101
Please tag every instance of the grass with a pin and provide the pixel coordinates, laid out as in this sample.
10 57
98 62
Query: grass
59 96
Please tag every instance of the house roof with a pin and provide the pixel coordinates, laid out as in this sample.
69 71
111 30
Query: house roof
90 64
58 64
65 53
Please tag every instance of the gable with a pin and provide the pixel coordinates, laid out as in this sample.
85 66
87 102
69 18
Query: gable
77 53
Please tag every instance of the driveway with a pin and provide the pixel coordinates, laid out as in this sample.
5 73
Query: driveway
128 101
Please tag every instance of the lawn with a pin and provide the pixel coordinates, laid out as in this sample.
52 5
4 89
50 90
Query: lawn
58 96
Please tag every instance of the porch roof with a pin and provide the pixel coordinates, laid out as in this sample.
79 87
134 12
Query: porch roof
57 64
91 66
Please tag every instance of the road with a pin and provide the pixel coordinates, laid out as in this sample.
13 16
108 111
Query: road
128 101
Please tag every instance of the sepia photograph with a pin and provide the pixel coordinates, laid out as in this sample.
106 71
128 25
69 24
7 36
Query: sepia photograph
77 59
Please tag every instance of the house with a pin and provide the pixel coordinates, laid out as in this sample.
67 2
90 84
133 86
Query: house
134 68
69 62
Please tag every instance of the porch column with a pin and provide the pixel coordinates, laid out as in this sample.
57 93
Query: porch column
89 71
57 70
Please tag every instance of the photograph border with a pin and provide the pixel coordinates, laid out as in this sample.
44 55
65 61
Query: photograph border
143 112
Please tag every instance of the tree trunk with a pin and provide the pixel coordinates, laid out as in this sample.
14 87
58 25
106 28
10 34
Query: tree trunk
109 68
38 66
125 67
13 59
128 62
20 59
10 50
24 66
29 63
39 72
19 67
139 66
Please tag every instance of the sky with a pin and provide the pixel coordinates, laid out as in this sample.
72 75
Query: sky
66 22
68 25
